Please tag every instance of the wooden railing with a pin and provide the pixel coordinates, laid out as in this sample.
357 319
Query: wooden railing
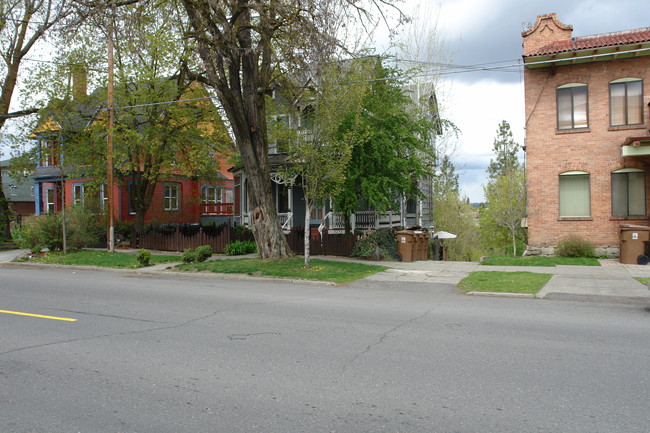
217 209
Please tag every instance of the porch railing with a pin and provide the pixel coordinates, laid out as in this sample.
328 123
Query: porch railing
286 219
217 209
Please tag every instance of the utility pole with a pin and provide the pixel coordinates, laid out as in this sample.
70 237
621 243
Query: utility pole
109 134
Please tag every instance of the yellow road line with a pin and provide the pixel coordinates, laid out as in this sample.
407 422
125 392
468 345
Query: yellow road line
38 315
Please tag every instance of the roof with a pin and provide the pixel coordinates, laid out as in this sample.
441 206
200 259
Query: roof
625 37
16 190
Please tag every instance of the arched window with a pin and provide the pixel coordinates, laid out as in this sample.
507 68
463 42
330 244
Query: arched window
575 195
572 106
628 192
626 102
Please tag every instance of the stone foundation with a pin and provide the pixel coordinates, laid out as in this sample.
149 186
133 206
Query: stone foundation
609 251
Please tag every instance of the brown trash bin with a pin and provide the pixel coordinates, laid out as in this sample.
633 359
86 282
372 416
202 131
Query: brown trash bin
405 244
423 245
633 240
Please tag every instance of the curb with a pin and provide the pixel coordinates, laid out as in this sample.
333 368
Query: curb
503 295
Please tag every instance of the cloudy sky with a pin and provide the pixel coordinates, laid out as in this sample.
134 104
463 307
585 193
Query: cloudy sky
478 32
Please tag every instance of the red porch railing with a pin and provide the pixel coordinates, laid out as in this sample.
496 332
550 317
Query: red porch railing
217 209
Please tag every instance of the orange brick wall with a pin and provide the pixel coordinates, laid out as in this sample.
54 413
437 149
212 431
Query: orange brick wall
598 150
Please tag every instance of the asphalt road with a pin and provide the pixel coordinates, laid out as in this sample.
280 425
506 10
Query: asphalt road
168 354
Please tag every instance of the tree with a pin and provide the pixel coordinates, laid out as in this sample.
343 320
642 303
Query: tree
506 203
506 150
392 150
23 23
320 155
156 134
244 44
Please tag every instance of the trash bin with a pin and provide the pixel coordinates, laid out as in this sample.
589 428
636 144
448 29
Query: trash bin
405 244
633 241
422 245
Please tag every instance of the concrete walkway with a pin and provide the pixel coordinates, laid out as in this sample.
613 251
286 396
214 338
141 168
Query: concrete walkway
610 281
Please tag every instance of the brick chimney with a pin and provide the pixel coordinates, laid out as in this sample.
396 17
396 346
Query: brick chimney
546 30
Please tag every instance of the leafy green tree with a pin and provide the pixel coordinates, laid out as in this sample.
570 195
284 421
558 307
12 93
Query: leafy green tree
156 134
505 193
506 203
320 154
244 46
392 147
23 24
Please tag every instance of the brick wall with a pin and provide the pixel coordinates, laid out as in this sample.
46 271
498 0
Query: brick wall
596 150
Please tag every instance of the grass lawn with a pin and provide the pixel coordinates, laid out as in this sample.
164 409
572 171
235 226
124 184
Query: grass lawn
540 261
642 280
320 270
506 282
101 258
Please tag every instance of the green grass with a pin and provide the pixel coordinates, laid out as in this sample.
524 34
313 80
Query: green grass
101 258
504 282
540 261
642 280
320 270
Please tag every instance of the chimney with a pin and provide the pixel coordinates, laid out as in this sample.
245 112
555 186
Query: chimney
546 30
79 82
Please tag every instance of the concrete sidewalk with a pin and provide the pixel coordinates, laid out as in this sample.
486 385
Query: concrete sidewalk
612 280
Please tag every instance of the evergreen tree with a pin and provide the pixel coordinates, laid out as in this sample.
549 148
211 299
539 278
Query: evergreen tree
505 149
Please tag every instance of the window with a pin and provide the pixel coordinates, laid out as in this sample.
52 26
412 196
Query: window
172 192
49 153
572 106
210 194
132 192
626 102
78 193
628 193
575 198
49 200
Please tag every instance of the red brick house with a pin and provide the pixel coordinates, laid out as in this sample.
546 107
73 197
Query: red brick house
176 198
587 138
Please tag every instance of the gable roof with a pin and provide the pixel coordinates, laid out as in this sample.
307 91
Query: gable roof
625 37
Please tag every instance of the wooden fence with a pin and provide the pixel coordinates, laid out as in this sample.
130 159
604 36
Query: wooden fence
181 237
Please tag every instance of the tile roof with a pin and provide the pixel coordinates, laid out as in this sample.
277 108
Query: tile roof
595 41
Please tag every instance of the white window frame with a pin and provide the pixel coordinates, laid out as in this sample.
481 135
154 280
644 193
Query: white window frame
171 196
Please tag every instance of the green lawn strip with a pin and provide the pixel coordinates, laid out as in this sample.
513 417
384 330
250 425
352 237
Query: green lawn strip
540 261
504 282
320 270
642 280
100 258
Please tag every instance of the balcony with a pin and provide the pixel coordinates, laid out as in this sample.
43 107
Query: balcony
210 209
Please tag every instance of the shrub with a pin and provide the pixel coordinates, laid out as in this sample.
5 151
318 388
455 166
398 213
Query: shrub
38 232
575 246
143 257
189 256
203 253
82 227
242 231
384 239
238 248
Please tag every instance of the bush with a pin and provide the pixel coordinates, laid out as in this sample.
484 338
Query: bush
203 253
242 231
82 227
238 248
575 246
143 257
189 256
384 239
38 232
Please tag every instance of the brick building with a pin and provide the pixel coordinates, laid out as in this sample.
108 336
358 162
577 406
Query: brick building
587 139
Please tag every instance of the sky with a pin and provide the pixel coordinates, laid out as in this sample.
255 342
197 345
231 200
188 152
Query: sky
476 32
